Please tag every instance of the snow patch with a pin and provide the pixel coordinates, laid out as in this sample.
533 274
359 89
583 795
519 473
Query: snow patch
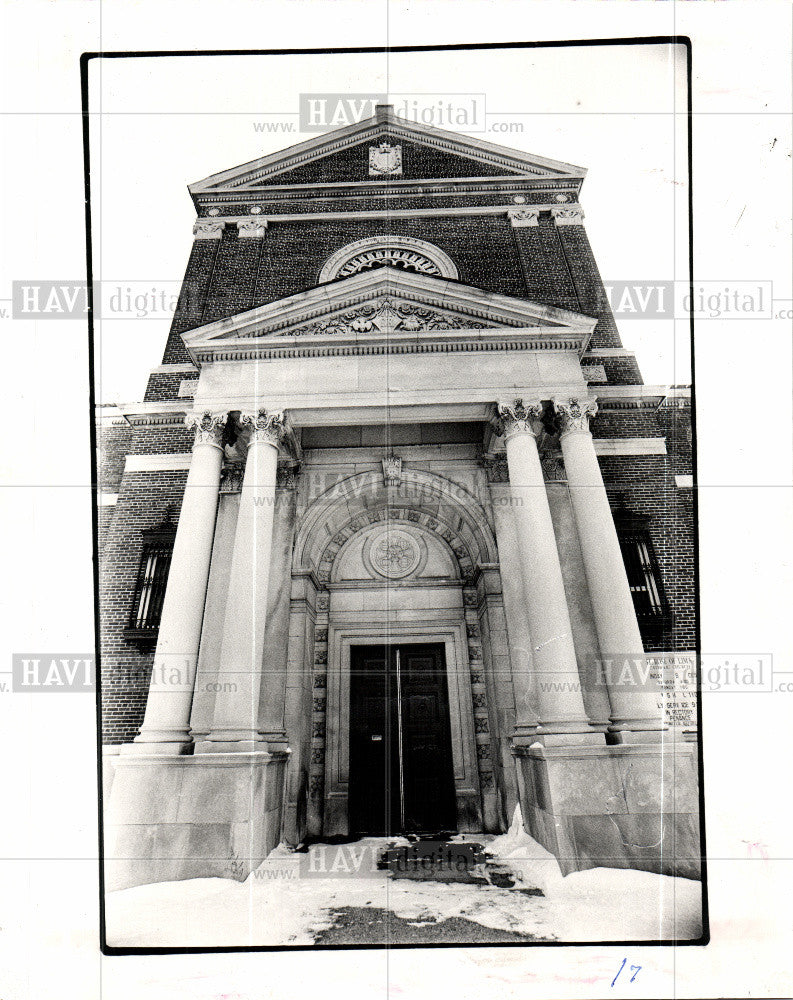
281 904
602 903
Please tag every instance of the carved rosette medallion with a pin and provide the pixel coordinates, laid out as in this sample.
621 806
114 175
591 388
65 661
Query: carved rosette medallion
208 427
394 554
520 418
574 414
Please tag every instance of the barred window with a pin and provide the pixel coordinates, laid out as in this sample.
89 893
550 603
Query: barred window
155 564
643 574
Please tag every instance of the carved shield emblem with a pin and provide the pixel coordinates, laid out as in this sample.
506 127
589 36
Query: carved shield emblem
385 159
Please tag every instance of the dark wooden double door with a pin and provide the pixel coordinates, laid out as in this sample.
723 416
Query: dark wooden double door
401 772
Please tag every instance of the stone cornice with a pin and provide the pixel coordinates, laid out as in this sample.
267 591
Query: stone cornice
642 397
382 213
530 339
409 187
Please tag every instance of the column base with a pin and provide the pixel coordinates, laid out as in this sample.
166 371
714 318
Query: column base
637 731
209 745
570 732
206 816
613 806
159 741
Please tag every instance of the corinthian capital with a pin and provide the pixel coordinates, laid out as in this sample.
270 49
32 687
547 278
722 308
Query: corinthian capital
574 414
267 426
518 417
208 427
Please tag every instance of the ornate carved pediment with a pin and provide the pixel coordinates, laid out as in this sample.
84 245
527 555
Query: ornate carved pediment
382 307
386 316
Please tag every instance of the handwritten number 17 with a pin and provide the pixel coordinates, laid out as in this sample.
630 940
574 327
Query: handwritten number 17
635 969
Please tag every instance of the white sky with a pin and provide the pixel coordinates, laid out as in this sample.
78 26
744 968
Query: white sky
159 124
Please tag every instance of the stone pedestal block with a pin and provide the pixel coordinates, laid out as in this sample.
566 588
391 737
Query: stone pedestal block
627 806
169 818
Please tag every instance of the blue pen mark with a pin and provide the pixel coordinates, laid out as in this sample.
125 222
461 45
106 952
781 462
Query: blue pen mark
635 969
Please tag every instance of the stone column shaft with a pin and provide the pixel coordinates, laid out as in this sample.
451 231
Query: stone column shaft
235 725
561 710
166 723
632 692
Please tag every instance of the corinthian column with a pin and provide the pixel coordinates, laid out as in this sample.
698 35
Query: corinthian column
562 714
165 726
235 725
633 693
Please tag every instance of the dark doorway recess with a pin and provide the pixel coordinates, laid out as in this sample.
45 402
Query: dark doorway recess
401 773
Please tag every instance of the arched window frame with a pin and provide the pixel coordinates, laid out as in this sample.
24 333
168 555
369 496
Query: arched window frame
341 258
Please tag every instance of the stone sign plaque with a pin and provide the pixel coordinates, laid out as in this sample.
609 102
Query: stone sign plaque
676 674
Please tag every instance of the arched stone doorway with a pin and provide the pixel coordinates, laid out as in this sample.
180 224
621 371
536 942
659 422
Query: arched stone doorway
402 563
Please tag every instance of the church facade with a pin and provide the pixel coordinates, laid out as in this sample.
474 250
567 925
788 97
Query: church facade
397 540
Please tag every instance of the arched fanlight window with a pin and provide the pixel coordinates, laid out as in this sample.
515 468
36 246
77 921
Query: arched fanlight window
388 251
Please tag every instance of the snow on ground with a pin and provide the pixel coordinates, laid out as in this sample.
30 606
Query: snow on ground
602 903
291 897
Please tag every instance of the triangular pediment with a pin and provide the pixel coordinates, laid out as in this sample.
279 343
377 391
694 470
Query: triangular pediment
388 307
403 151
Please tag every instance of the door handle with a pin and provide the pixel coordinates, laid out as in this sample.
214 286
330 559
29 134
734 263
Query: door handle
377 739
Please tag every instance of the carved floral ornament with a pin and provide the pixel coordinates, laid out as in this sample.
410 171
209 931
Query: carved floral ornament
208 230
208 427
262 425
518 417
267 426
385 317
568 216
392 470
524 217
251 228
574 414
526 417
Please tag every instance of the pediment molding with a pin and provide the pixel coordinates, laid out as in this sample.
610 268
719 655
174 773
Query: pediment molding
257 174
389 311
